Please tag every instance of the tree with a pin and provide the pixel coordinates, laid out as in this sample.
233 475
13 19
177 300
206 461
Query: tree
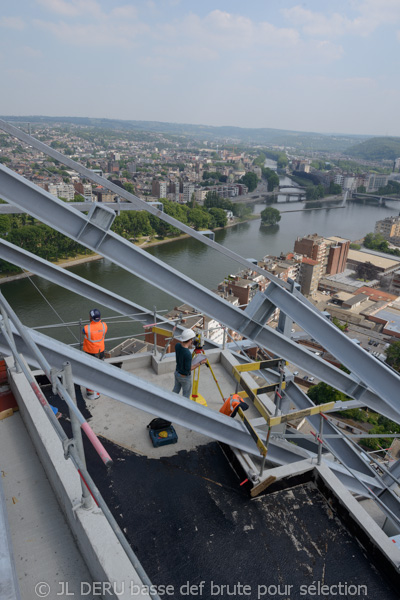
336 322
241 209
376 241
251 180
270 216
5 224
393 355
260 160
129 187
198 218
271 177
212 199
334 188
219 217
366 271
322 393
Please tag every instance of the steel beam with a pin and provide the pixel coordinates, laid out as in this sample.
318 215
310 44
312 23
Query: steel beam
78 285
340 447
93 233
140 204
9 209
371 372
138 393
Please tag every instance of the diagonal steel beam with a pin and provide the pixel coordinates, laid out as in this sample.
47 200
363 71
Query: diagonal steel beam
340 447
138 393
135 392
93 233
9 209
375 374
140 204
26 260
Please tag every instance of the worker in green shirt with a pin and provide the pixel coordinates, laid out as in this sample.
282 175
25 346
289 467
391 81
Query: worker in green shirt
184 368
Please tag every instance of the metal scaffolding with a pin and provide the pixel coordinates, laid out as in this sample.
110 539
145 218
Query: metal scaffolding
371 382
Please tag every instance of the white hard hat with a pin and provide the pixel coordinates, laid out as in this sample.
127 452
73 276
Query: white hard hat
187 335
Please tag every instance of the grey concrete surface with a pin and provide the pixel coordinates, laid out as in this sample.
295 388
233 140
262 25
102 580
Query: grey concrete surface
127 426
44 549
104 556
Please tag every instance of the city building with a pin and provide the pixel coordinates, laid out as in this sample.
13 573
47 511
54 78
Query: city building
61 190
313 246
337 253
309 276
159 188
388 227
376 181
84 189
103 195
188 191
379 264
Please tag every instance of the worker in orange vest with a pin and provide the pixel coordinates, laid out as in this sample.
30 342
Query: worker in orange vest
93 343
231 405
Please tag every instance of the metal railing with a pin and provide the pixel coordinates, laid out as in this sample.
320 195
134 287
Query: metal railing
73 447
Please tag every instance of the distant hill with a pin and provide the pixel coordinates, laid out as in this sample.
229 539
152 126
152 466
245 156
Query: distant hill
262 136
376 149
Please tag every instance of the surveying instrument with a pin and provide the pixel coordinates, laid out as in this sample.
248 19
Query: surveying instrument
198 355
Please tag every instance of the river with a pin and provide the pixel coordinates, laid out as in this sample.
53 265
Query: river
192 258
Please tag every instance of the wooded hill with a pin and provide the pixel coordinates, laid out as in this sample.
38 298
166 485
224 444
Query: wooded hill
376 149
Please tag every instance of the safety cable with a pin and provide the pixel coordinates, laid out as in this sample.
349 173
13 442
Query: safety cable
52 307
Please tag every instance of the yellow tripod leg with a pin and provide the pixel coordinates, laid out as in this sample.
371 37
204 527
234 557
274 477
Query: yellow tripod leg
195 388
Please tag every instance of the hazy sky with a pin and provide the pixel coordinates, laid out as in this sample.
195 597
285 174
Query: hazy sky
319 65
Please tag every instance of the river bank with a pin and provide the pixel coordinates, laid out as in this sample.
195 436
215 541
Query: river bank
66 263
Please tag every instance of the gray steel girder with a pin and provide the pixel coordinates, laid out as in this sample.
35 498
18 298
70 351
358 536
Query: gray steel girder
138 393
70 281
9 209
64 218
340 447
140 204
368 369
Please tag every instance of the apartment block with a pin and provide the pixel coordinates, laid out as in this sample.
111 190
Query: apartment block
309 276
388 227
337 253
313 246
376 181
159 188
62 190
84 189
188 191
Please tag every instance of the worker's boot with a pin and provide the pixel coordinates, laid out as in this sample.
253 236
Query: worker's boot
92 395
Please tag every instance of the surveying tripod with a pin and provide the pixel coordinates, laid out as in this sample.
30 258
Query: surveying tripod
198 349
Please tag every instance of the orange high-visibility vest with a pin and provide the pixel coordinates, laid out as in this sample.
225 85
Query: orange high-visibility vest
230 404
95 333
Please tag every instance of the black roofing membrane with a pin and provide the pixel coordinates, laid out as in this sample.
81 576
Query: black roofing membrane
196 530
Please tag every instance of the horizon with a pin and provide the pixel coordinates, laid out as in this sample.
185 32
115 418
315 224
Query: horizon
61 117
278 65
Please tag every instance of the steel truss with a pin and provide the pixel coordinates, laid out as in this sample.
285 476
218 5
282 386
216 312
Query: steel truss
371 382
93 232
139 393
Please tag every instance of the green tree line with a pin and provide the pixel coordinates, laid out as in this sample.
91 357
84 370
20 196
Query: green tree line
322 393
376 241
26 232
31 235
